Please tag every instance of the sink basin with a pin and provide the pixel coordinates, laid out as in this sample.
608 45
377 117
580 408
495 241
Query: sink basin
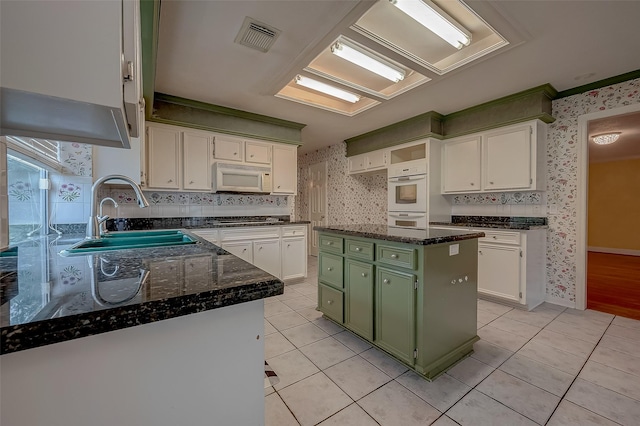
135 239
139 234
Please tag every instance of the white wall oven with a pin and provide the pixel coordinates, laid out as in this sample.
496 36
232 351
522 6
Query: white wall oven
407 195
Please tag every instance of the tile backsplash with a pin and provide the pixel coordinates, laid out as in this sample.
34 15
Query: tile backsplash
527 204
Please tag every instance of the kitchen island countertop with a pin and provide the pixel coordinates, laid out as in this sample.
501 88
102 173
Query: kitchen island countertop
402 235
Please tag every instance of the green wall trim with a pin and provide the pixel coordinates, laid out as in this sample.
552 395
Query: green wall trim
227 111
421 126
149 27
534 103
599 84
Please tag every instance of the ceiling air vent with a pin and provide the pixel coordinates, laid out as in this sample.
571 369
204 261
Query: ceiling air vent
257 35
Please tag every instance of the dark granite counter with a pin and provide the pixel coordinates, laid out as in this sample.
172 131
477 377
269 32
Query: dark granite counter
136 224
48 298
402 235
496 222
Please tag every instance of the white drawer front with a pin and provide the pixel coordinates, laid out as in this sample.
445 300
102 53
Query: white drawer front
503 237
293 231
250 233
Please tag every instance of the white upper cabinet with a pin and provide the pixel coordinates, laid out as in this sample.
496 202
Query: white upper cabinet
70 70
228 148
164 157
368 162
506 159
257 152
285 169
196 153
461 165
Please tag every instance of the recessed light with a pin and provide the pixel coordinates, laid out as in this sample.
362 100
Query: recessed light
607 138
326 89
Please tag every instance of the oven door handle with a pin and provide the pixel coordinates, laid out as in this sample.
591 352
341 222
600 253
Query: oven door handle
406 216
406 178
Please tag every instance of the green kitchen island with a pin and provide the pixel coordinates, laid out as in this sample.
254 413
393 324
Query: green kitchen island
411 293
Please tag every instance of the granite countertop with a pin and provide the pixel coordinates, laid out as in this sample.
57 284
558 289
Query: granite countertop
402 235
497 222
135 224
51 298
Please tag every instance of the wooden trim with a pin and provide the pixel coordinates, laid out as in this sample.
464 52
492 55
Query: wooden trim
599 84
227 111
544 117
626 252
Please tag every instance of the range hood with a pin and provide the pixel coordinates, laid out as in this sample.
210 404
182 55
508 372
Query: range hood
48 117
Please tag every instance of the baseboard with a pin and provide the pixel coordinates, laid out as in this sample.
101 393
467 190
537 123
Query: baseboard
560 302
626 252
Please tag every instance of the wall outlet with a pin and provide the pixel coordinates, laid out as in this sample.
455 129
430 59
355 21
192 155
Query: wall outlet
454 249
552 208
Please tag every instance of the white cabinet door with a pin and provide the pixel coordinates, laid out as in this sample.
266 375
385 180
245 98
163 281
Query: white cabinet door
461 165
242 249
257 152
164 157
294 257
357 163
196 160
228 148
266 255
377 159
285 169
499 271
507 159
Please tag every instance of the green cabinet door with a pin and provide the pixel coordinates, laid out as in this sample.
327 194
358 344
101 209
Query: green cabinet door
395 313
359 285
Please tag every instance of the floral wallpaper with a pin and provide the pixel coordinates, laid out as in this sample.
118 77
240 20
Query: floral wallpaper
351 199
76 158
562 177
498 198
188 198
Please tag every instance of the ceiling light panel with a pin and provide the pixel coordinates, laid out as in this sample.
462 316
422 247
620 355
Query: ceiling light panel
327 89
367 60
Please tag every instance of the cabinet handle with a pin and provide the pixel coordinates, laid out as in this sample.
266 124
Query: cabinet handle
294 232
394 256
358 249
288 245
278 186
329 302
251 156
495 238
471 183
329 243
260 248
364 274
190 182
490 183
386 281
329 269
235 153
170 180
480 252
243 250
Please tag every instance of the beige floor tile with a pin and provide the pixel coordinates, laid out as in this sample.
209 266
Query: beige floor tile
477 409
287 320
516 327
627 322
620 344
576 332
541 375
314 399
357 377
549 306
611 378
486 317
304 334
536 318
556 358
328 326
492 307
309 290
624 332
352 341
289 293
522 397
470 371
444 421
301 302
327 352
276 413
395 405
590 314
565 343
352 415
291 367
490 354
270 300
584 321
311 314
602 401
269 390
275 308
268 328
509 341
570 414
384 362
276 344
441 393
618 360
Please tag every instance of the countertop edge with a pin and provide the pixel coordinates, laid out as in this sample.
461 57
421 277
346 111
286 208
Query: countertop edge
403 239
507 226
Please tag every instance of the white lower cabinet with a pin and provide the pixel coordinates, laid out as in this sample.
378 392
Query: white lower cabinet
242 249
294 257
266 255
499 270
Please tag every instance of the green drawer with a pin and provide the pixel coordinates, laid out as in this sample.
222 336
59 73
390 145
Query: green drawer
397 256
330 269
330 302
330 243
359 249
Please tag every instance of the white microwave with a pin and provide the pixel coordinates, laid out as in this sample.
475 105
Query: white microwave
233 177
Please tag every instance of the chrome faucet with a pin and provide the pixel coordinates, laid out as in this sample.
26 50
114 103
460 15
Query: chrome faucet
102 219
93 227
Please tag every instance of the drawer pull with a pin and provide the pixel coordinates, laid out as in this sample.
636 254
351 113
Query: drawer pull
243 250
364 274
358 249
329 302
480 252
394 256
495 238
294 232
329 269
329 243
386 281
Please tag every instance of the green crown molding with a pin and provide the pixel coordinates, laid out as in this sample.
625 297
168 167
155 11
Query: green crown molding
534 103
199 115
421 126
149 27
599 84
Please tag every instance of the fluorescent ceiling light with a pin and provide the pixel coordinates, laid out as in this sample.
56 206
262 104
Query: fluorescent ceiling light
436 20
607 138
365 60
326 89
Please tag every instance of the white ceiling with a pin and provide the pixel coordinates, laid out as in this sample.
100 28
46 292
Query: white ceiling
626 147
565 43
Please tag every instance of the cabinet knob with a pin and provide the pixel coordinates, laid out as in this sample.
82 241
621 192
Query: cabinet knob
358 249
364 274
260 248
480 252
243 250
329 243
471 183
329 302
251 156
491 183
294 232
386 281
190 182
170 180
329 269
278 186
235 153
288 245
495 238
394 256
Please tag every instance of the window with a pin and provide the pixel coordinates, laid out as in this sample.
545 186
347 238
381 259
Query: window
27 202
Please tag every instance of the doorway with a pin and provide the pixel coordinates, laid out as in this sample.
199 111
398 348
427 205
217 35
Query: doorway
608 268
317 202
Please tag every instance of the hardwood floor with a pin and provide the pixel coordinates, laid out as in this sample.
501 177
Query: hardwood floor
613 284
